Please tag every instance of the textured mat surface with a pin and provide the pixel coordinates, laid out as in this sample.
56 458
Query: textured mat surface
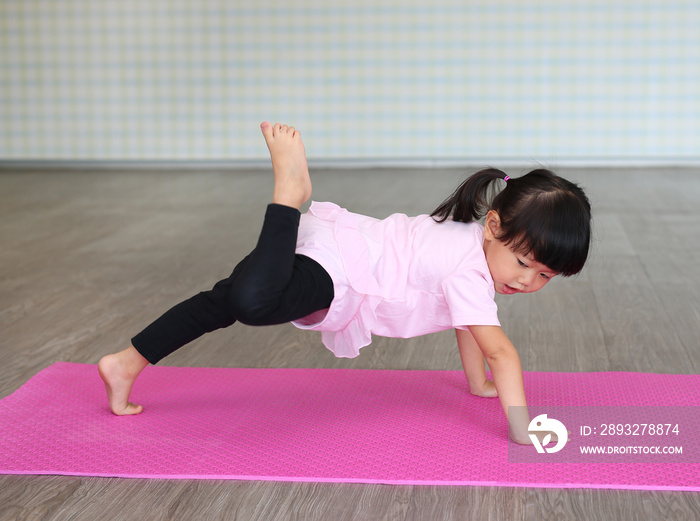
333 425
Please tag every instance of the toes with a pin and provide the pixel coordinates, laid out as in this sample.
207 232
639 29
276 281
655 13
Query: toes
266 128
129 409
277 129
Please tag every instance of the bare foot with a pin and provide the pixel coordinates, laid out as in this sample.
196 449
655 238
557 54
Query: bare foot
292 181
119 371
486 390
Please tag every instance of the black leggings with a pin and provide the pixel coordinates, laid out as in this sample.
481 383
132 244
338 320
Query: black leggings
272 285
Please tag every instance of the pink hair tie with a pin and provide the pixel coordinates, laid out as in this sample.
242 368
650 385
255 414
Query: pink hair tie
506 178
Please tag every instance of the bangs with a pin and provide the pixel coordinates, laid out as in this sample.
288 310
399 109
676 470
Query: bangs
555 231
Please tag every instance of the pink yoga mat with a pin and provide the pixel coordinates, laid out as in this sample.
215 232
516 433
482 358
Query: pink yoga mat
330 425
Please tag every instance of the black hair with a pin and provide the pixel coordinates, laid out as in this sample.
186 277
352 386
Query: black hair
541 214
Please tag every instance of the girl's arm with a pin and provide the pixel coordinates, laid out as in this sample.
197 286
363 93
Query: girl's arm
507 373
473 363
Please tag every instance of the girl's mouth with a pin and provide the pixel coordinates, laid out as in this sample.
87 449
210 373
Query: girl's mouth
508 290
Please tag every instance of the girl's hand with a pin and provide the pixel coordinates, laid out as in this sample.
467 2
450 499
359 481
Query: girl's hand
486 389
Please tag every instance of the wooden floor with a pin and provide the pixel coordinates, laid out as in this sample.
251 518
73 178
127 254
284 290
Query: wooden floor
89 258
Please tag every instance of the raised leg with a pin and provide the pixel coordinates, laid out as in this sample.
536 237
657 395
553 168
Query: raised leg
292 181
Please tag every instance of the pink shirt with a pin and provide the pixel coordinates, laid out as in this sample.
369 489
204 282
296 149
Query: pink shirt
397 277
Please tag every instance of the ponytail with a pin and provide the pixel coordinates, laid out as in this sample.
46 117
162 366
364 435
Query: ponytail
540 214
470 201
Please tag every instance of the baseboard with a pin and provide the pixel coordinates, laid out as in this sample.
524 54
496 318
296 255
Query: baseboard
238 164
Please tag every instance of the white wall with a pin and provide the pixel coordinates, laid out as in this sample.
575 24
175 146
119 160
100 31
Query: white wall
548 80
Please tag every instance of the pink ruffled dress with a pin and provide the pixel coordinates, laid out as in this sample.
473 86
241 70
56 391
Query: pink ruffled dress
397 277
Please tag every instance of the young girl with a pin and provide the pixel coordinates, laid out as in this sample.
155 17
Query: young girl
349 276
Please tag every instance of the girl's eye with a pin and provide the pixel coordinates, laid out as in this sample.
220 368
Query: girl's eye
522 263
545 276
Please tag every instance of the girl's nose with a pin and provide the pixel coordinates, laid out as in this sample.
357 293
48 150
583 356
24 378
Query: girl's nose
527 279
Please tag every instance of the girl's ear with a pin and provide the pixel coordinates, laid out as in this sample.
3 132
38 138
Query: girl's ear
492 225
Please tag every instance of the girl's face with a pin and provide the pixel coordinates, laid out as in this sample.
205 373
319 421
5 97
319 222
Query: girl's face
511 271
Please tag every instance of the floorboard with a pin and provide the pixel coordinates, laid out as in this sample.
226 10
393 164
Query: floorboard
88 258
